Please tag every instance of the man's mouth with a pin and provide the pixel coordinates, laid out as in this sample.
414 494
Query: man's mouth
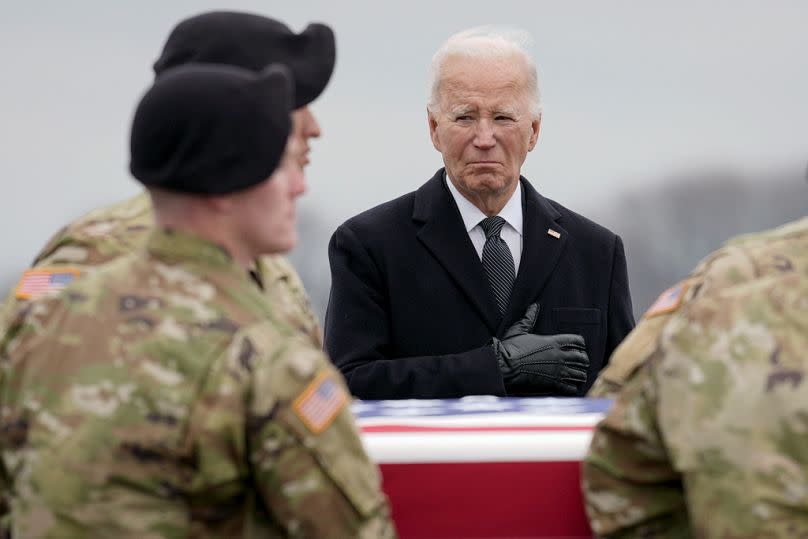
304 158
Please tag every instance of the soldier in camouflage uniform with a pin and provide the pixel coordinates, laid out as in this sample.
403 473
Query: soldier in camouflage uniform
108 233
707 436
163 395
239 39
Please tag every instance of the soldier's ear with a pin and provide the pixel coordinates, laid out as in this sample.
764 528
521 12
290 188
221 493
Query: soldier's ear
220 203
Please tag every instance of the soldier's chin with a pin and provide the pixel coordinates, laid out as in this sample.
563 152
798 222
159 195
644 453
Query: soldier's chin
283 244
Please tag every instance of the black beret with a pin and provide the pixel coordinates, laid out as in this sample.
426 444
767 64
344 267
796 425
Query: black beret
211 129
253 42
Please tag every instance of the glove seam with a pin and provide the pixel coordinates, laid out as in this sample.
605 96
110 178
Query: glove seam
539 350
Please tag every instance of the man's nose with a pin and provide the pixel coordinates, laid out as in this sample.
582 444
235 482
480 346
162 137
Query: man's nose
312 128
484 134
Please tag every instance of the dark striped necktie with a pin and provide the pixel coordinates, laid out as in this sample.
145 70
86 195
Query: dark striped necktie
498 261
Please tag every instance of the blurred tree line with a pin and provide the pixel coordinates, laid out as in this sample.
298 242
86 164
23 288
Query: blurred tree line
666 227
669 228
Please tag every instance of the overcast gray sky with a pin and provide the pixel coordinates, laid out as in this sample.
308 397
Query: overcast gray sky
634 92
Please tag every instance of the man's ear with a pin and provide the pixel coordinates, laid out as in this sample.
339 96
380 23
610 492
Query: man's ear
433 130
220 203
535 125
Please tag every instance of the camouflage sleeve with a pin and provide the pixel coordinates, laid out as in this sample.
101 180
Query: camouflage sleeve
5 482
14 325
71 247
51 245
304 447
630 355
724 267
6 311
100 235
630 487
11 303
603 388
285 291
5 498
5 486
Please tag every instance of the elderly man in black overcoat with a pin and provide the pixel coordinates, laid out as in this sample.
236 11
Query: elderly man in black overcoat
475 283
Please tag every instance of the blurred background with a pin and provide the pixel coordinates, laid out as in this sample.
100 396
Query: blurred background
674 124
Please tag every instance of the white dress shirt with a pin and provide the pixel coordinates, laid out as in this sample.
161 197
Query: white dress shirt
511 231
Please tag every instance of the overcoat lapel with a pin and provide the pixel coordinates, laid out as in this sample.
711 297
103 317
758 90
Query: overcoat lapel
541 252
443 234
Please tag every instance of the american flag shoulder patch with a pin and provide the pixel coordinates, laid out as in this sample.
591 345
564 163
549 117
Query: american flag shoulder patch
668 301
321 402
37 281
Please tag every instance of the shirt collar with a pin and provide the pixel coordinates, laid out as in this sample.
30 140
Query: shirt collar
472 215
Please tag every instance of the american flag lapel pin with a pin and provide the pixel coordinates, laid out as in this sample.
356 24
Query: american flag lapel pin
554 233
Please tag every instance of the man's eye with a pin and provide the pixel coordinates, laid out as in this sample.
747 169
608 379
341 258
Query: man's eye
463 118
503 118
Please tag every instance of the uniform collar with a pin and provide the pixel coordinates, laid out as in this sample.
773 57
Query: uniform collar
177 245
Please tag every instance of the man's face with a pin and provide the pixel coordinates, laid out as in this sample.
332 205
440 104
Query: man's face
484 127
304 127
267 212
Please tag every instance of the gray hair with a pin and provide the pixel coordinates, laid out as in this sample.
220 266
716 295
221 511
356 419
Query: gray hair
486 42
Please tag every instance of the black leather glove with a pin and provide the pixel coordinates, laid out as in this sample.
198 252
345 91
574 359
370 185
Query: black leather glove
540 364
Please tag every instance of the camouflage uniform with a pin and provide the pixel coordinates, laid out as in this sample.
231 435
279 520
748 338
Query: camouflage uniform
161 396
707 437
107 233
